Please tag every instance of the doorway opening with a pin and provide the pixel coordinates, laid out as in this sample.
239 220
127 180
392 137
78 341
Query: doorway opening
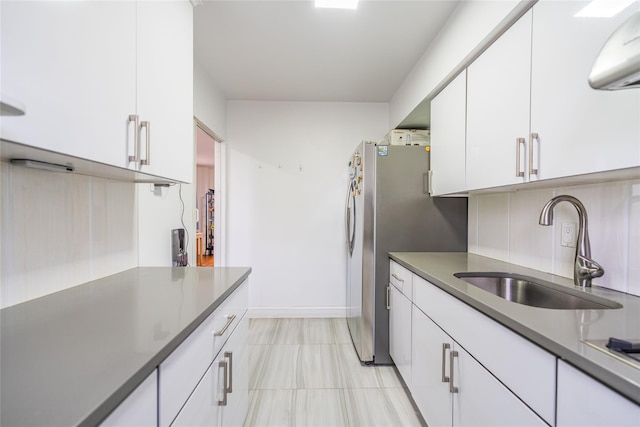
207 222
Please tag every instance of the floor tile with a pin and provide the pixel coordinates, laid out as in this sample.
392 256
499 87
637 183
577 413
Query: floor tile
407 413
279 368
321 408
257 356
261 330
317 331
340 331
389 377
270 408
370 407
354 374
305 372
288 331
318 367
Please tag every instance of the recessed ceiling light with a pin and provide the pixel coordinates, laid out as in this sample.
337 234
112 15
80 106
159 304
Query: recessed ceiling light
337 4
603 8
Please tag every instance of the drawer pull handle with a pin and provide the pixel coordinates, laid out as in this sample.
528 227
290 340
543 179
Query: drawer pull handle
397 278
229 354
225 367
230 319
445 347
534 137
136 155
147 125
519 142
452 356
388 303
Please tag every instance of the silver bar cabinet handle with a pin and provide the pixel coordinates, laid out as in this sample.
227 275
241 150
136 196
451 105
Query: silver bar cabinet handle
229 354
534 137
452 356
430 185
134 118
397 278
519 142
223 401
146 124
445 347
230 319
388 305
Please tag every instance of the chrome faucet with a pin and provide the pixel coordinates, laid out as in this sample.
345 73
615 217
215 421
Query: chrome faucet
584 268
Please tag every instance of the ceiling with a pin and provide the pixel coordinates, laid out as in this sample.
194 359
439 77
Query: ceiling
291 51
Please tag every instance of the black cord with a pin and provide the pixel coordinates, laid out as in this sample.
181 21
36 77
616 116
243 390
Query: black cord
186 245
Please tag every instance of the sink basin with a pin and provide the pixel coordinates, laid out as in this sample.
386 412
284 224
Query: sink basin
536 293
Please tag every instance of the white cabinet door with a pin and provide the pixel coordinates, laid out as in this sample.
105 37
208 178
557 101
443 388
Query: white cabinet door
400 332
182 369
498 349
498 109
429 374
165 88
581 130
481 400
448 138
222 395
583 401
139 409
72 66
237 351
451 388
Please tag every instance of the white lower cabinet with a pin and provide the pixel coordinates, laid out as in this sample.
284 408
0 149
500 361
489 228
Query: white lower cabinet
452 389
199 363
400 332
583 401
221 397
139 409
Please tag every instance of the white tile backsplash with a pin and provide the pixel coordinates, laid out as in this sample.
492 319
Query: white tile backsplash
60 230
493 234
613 210
530 243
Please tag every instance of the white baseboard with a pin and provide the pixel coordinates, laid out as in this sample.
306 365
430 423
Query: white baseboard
291 312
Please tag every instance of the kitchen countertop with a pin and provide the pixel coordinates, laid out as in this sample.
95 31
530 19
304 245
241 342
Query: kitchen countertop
71 357
561 332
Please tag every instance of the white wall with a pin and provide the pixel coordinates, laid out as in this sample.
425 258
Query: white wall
472 22
61 230
286 187
209 104
160 211
505 226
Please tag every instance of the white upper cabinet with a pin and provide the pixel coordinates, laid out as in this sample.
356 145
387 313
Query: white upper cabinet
498 110
165 88
72 66
580 130
82 69
531 114
448 138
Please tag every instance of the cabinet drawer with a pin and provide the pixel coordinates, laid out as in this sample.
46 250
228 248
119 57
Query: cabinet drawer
401 278
525 368
181 371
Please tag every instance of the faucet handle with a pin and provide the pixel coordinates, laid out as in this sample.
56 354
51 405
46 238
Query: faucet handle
589 268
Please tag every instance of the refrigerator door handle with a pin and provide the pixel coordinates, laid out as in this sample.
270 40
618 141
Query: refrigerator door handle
351 229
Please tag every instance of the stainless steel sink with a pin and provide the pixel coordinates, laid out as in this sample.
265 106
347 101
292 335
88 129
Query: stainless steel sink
536 293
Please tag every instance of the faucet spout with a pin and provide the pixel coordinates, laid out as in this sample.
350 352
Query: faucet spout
584 268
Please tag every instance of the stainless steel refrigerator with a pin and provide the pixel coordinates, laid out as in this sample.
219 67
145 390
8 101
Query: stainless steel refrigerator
388 209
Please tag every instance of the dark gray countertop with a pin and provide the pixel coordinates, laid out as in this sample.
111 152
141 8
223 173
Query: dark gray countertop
561 332
71 357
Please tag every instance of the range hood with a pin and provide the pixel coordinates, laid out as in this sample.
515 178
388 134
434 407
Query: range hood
618 64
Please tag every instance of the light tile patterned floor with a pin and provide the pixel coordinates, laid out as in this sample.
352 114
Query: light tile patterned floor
305 372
